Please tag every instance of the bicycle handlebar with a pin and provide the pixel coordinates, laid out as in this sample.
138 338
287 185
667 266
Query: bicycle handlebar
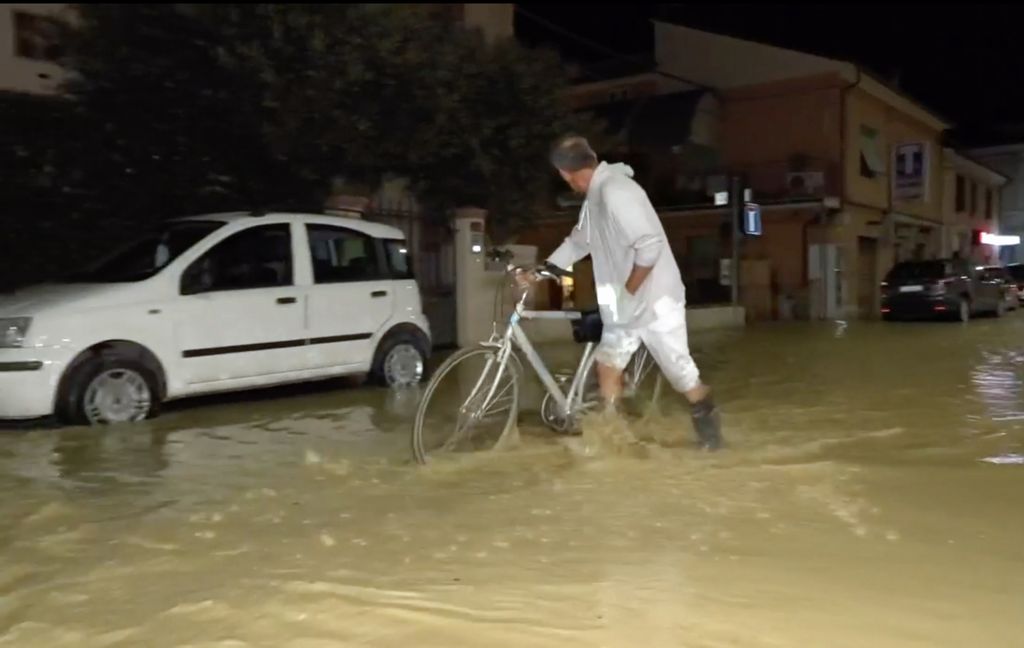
544 270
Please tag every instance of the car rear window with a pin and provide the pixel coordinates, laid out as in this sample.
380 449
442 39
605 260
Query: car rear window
919 271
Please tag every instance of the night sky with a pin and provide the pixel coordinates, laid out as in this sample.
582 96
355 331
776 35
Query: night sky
967 64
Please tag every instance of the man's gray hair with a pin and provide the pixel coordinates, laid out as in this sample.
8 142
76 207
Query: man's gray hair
573 153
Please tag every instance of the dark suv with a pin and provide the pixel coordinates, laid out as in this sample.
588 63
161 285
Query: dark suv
939 289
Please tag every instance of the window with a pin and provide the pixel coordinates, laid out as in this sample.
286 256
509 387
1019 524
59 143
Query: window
258 257
910 181
974 198
37 37
919 271
872 162
149 255
988 204
961 194
341 255
399 263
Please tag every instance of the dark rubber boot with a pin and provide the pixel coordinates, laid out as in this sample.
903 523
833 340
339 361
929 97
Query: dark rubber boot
707 424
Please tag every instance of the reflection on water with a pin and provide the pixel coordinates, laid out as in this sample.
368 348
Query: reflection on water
871 497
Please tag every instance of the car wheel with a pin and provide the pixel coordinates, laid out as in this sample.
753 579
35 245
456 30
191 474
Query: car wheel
964 310
109 387
400 361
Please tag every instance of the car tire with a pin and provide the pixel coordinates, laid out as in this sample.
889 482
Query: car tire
107 387
400 360
963 313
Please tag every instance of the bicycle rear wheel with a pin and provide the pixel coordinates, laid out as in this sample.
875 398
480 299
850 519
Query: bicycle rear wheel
642 385
470 405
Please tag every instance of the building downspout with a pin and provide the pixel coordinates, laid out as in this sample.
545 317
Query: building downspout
842 132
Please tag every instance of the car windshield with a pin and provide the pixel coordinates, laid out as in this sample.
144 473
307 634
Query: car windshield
919 271
149 255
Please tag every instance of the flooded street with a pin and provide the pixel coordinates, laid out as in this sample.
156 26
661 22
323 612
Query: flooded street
871 496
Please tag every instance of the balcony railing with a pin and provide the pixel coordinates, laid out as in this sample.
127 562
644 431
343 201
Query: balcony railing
770 183
671 185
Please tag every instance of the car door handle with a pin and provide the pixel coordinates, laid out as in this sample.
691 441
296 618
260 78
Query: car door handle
286 300
379 293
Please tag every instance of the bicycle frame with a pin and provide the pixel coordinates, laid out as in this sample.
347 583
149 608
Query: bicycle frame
567 402
568 405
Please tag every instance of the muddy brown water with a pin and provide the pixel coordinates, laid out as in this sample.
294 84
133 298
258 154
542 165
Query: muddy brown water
872 495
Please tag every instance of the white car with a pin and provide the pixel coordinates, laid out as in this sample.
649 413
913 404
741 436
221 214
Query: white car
216 303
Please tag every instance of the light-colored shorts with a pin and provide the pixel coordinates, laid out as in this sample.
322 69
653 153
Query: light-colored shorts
669 347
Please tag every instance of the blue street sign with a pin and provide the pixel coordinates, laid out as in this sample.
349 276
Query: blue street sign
752 219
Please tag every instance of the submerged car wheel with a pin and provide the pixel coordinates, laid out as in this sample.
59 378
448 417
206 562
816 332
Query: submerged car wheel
109 386
117 396
964 310
400 360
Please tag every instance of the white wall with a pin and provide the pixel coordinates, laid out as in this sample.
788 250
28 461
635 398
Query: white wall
494 20
725 62
19 74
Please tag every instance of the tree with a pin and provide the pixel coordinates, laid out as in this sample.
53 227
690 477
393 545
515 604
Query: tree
400 90
499 117
173 131
175 109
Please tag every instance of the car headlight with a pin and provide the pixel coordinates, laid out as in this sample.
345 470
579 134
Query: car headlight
13 331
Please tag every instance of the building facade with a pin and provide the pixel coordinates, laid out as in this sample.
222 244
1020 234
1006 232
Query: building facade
971 208
849 172
1008 161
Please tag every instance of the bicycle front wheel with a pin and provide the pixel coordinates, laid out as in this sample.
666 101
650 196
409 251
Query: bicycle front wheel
471 404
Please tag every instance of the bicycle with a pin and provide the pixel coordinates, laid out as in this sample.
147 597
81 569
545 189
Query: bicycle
493 398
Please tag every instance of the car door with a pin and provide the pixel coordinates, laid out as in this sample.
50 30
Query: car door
240 315
351 298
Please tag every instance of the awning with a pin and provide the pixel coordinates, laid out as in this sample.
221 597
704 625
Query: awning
899 218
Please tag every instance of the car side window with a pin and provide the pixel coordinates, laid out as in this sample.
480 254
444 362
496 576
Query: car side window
399 262
340 255
258 257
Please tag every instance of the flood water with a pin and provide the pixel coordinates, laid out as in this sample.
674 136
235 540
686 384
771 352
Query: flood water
872 495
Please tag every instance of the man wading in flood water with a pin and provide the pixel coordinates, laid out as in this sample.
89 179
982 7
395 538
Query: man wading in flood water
639 289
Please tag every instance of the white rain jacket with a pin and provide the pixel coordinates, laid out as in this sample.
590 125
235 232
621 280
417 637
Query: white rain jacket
618 228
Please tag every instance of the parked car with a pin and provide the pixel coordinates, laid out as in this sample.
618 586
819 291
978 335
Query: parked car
1001 275
216 303
940 289
1016 271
